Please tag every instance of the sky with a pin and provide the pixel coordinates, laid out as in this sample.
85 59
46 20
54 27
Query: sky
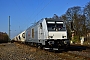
23 13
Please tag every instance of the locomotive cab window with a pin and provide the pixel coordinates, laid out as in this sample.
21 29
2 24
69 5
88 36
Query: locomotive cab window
60 27
55 26
51 26
40 25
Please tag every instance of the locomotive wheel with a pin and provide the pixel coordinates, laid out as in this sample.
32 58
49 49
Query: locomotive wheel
39 46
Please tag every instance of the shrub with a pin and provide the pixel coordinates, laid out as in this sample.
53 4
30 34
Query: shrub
75 39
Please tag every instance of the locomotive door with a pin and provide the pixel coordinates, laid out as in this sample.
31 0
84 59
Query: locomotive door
41 34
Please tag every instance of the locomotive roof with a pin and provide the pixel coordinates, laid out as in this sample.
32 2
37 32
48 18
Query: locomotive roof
52 19
47 19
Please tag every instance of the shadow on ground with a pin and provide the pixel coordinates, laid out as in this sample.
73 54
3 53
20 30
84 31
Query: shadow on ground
72 48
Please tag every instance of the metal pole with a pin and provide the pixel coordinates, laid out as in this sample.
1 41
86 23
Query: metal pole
9 28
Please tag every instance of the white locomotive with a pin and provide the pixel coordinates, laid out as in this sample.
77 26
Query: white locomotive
47 33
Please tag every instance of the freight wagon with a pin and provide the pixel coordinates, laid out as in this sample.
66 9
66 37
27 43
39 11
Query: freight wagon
19 38
3 37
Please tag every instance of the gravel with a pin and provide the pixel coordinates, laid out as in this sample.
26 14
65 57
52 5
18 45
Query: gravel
16 51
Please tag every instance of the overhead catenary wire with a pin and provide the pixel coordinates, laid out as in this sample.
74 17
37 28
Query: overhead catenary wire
15 2
39 11
25 9
33 10
37 8
17 5
42 8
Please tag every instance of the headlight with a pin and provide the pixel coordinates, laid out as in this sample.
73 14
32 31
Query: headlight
63 36
50 37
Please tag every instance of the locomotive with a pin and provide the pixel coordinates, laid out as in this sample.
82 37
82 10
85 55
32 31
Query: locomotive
47 33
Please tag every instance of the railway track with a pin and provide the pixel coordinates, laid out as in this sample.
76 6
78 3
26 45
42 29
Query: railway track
78 51
26 52
75 51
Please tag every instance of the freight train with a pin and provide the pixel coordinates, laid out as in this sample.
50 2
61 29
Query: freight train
3 37
47 33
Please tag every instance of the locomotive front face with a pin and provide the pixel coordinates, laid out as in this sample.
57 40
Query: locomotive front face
56 30
57 34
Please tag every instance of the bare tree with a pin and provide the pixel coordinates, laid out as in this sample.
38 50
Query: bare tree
87 14
64 18
55 16
74 20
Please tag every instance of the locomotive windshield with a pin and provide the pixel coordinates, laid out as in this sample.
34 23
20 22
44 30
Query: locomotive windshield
55 26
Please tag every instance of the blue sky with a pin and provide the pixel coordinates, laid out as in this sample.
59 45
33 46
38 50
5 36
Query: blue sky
23 13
